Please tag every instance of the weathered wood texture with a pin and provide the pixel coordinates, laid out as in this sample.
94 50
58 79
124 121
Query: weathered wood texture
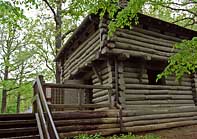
82 56
109 122
70 124
194 88
137 93
144 43
105 74
147 120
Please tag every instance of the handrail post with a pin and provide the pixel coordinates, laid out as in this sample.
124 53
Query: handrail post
41 78
109 98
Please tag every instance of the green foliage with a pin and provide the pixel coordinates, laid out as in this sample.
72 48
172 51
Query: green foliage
122 136
10 14
126 16
183 62
85 136
120 17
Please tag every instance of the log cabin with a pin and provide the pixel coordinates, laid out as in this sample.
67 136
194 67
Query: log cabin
108 86
129 62
121 74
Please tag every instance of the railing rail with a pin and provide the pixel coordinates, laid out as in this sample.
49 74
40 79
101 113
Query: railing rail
80 86
40 106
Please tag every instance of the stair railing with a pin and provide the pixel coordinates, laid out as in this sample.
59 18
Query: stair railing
40 107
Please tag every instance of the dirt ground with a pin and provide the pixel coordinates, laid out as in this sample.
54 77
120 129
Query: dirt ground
186 132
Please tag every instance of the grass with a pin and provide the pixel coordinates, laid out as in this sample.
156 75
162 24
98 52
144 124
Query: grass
123 136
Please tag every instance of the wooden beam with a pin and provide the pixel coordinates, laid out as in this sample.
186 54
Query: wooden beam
97 74
78 86
116 81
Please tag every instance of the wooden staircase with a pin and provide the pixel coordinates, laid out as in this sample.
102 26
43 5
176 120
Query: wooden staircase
18 126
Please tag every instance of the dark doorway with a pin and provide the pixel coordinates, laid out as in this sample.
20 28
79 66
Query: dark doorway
152 77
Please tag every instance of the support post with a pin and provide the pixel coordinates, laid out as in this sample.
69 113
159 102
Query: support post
116 81
194 88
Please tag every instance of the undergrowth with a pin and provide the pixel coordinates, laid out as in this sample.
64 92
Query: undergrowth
123 136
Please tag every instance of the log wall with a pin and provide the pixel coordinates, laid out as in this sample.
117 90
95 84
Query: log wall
106 74
113 121
137 93
82 56
145 43
148 120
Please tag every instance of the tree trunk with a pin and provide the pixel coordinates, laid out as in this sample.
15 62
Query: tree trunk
18 103
4 92
58 37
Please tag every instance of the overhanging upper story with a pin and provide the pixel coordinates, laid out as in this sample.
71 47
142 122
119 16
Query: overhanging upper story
151 39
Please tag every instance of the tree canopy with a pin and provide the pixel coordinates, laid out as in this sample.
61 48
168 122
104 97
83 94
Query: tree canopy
33 31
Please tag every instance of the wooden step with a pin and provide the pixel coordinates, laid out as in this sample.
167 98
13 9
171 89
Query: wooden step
17 124
24 137
84 114
22 116
15 132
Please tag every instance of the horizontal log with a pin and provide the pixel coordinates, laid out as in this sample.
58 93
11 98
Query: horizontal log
136 54
83 59
154 106
109 84
128 46
155 87
134 75
100 93
158 116
158 121
150 102
84 114
86 121
75 86
81 62
182 83
104 82
155 34
135 129
134 81
65 106
104 74
92 49
184 78
143 46
182 109
168 91
158 97
103 102
132 70
147 36
75 69
130 34
100 99
82 48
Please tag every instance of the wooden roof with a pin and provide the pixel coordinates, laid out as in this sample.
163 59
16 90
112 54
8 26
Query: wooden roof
144 20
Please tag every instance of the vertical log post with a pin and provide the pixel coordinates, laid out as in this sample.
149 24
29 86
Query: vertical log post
109 98
80 99
116 81
41 78
194 88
